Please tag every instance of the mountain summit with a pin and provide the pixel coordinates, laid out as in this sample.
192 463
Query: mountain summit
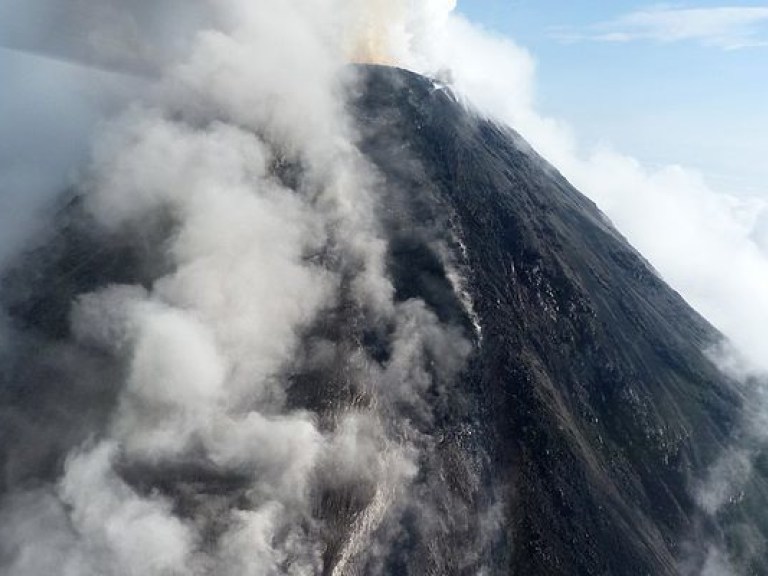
598 407
564 411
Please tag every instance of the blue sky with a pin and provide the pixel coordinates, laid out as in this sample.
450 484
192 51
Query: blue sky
675 83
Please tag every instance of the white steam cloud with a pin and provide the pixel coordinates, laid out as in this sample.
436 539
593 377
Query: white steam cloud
209 347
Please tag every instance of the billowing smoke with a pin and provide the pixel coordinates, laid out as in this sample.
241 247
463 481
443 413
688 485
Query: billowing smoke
396 32
372 37
239 175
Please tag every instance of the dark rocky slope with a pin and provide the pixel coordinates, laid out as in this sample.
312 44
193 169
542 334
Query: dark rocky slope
599 405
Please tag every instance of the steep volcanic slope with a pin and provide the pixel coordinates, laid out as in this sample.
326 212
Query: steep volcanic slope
603 409
582 417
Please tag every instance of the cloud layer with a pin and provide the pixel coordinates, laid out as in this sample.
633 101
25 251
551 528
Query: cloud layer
729 27
210 462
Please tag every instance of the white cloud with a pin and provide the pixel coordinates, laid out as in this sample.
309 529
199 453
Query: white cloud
729 28
209 349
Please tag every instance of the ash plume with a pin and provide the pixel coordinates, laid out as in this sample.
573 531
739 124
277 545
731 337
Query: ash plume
209 454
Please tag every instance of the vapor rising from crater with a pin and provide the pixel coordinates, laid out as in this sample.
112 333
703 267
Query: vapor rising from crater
211 456
373 27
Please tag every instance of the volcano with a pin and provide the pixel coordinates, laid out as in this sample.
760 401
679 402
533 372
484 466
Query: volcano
583 412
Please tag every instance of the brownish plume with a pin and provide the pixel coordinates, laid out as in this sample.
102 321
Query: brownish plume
373 29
